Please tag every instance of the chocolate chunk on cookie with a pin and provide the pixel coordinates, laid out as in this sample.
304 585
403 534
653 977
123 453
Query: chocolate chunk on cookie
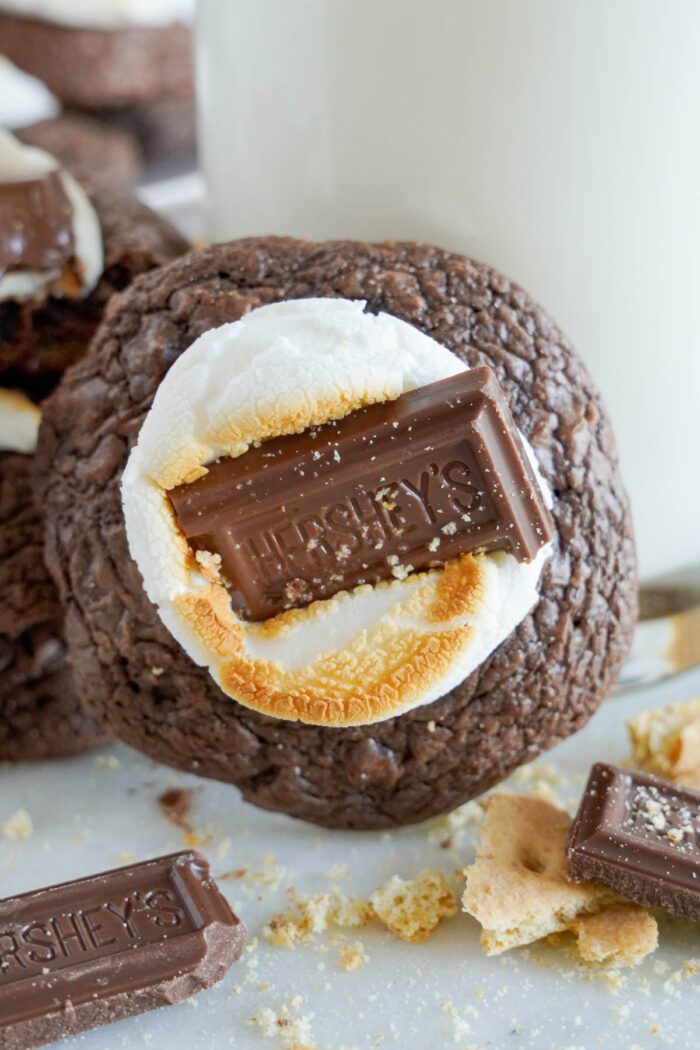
544 678
44 337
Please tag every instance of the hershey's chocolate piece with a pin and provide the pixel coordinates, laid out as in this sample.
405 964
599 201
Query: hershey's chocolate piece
439 472
640 836
84 953
36 224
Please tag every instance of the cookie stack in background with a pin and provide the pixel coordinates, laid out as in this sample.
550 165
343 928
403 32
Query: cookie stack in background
122 73
63 254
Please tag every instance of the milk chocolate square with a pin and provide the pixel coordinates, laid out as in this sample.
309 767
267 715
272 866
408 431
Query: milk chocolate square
394 488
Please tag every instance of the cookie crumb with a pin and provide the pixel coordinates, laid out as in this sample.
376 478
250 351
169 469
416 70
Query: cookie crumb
353 956
292 1032
666 741
106 762
19 826
315 915
412 909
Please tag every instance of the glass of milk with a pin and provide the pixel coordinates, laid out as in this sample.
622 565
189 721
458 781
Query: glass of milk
558 140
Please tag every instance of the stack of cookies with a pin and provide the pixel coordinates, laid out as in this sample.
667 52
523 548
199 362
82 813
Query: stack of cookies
64 253
122 70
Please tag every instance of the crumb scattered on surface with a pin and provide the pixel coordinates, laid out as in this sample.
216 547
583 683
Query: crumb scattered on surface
19 826
285 1024
353 956
315 915
106 762
412 909
666 741
460 1018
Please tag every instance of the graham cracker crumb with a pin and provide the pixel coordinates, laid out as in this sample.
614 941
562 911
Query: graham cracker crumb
19 826
210 565
666 741
462 1026
353 956
106 762
409 909
292 1032
622 935
412 909
315 915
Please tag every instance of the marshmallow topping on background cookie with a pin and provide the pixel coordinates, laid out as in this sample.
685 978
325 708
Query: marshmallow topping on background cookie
64 227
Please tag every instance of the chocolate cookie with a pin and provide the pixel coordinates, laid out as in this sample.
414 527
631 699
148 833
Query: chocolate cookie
164 129
40 714
100 156
43 338
541 684
95 68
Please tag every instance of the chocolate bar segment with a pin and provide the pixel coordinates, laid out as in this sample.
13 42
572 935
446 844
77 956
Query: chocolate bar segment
639 836
400 486
85 953
36 224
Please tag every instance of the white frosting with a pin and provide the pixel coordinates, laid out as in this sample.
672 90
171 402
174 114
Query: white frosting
272 373
19 422
104 14
18 162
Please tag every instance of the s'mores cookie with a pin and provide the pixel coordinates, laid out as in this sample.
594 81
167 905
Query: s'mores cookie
362 526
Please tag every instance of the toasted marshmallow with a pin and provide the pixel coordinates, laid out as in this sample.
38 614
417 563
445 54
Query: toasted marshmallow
23 162
19 422
363 655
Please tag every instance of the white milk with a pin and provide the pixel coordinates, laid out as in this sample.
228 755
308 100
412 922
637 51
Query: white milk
558 140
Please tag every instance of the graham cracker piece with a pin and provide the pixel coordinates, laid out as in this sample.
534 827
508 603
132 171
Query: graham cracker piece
518 891
623 935
666 741
517 887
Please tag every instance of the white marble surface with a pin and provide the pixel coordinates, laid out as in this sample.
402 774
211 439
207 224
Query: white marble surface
88 817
